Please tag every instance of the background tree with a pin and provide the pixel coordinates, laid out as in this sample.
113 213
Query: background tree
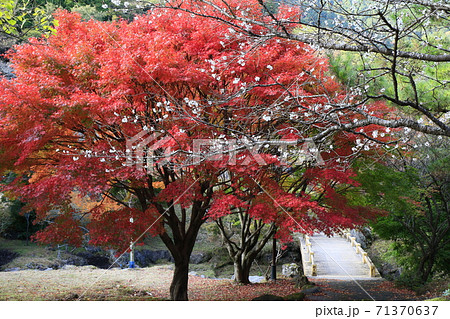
415 190
23 18
13 224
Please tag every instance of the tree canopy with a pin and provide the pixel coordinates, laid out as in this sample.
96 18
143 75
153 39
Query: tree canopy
410 37
172 119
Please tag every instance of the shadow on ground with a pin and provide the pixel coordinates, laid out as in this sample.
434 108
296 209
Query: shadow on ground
344 290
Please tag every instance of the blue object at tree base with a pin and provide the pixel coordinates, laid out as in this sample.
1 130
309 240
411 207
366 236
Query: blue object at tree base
131 264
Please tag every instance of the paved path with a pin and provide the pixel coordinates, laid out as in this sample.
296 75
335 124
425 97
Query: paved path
335 259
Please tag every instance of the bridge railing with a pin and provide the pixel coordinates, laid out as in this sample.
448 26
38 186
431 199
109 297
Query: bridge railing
373 272
310 254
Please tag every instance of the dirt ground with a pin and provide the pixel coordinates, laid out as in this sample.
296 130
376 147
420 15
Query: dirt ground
89 283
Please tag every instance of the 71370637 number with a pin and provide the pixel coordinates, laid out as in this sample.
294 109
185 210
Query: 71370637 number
406 310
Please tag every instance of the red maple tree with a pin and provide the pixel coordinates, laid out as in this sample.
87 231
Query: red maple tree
165 115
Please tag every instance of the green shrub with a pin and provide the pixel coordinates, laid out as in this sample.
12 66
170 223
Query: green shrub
6 219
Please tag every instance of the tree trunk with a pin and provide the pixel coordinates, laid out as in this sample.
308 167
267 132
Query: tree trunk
179 285
426 266
242 266
241 272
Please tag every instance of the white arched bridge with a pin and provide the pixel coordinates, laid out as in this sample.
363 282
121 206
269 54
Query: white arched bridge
336 257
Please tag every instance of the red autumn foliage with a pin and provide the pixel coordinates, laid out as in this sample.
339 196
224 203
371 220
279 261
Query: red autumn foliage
56 232
166 80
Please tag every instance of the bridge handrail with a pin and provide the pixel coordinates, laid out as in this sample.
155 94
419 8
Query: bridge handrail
373 272
310 253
